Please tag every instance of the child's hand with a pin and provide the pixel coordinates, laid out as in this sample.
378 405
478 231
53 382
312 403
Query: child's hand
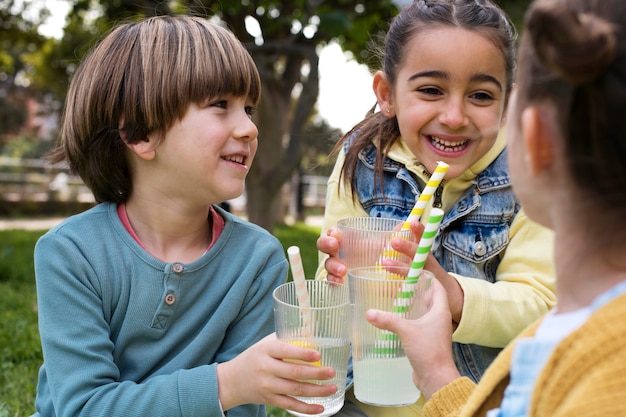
329 245
427 341
260 375
456 297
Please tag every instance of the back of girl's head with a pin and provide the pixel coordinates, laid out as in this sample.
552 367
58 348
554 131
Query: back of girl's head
573 54
140 79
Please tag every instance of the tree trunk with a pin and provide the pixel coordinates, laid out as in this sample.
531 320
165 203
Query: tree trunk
263 208
281 117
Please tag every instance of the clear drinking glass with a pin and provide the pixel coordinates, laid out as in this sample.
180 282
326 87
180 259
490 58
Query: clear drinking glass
325 326
365 241
382 373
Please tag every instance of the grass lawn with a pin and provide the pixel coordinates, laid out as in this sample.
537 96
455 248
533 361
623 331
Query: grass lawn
20 351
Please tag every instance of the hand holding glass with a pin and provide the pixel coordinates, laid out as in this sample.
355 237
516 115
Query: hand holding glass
382 373
366 241
324 326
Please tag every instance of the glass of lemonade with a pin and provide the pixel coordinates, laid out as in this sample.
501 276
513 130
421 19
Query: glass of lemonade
364 241
325 326
382 373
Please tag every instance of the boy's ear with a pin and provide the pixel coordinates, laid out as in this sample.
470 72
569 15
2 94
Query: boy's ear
382 90
145 149
537 133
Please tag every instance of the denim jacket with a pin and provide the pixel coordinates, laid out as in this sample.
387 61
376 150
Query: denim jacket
473 234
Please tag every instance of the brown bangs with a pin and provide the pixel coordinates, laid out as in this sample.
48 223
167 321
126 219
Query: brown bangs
231 66
210 63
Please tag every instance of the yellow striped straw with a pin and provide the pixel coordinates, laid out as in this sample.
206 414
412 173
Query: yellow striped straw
427 194
420 205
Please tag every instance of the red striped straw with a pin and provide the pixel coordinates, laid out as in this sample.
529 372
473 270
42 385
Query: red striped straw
297 271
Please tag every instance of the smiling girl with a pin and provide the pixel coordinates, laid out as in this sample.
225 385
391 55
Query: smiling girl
447 74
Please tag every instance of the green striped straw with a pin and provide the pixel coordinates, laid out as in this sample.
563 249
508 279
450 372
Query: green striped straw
419 260
385 346
430 231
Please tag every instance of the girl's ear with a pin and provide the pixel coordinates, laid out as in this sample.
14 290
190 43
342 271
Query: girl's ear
538 133
382 90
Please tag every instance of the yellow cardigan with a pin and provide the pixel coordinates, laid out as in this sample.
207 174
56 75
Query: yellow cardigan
584 376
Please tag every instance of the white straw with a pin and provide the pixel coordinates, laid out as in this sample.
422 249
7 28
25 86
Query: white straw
297 271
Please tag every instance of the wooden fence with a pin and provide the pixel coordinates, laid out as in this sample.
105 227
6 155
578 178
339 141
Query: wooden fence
31 186
34 180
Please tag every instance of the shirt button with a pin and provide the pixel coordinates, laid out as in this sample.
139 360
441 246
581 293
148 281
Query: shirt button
170 299
177 268
480 249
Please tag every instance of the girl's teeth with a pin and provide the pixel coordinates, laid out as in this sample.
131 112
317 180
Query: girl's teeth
448 146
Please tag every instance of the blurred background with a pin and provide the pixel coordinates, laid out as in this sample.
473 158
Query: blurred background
315 58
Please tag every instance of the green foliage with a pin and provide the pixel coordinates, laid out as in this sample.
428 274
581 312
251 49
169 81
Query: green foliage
516 10
25 147
18 36
16 256
318 139
20 350
304 237
19 339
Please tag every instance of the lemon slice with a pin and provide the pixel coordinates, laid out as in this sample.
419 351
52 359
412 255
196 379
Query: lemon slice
304 344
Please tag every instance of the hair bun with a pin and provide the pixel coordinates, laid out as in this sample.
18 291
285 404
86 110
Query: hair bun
577 46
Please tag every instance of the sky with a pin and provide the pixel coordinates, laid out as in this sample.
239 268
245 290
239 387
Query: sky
345 86
345 89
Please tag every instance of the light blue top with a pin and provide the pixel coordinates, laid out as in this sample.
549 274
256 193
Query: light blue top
126 334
